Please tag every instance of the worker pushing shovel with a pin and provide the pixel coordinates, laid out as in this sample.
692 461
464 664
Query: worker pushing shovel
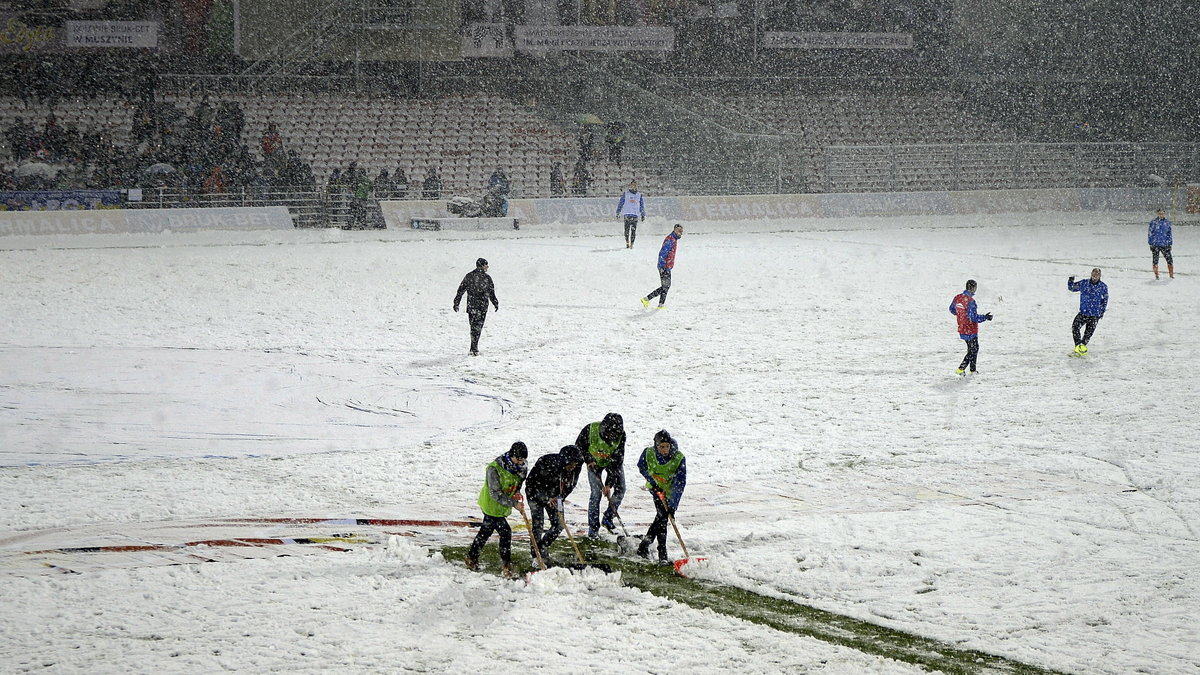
665 471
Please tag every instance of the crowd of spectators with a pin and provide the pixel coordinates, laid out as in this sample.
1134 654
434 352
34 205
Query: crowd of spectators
200 152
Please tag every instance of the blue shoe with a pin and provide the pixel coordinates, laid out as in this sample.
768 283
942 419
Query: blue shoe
593 533
608 524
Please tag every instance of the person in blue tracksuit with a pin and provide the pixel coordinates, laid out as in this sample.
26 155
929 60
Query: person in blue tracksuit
632 208
665 470
1093 302
1159 238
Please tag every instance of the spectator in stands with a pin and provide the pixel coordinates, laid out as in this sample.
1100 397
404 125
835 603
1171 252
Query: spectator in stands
498 183
558 183
401 184
614 138
335 180
216 181
581 179
18 136
271 141
361 191
432 188
586 144
384 186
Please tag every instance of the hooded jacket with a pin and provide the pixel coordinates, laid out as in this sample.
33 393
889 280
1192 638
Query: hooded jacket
550 479
479 289
494 485
678 481
612 428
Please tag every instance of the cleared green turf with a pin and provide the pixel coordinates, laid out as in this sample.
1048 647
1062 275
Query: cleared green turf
778 613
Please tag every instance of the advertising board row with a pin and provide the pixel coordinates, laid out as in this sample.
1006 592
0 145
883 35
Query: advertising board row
533 212
20 36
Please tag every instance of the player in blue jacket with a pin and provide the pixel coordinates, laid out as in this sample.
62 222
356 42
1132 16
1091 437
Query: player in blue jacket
1159 238
1093 302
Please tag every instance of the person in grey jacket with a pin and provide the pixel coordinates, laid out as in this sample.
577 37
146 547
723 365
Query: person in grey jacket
500 494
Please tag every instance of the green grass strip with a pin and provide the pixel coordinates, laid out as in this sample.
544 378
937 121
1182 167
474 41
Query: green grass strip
781 614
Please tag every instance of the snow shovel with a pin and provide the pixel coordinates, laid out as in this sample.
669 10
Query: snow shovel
582 564
622 539
686 560
532 539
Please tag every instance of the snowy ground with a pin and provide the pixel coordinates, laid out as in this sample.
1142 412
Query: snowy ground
167 389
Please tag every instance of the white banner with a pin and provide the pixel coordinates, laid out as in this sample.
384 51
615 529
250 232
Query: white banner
112 221
486 40
787 40
107 34
593 38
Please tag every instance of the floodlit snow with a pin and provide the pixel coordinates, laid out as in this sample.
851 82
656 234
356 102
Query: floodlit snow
160 389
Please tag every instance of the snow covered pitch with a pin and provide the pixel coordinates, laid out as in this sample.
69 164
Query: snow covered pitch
164 395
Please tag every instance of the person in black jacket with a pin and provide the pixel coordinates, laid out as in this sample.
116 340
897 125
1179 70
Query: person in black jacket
480 290
550 482
603 446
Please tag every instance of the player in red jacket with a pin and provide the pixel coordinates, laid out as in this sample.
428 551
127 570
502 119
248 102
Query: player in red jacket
963 307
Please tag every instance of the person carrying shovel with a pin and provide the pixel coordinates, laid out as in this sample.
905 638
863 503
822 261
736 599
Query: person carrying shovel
551 480
501 492
665 470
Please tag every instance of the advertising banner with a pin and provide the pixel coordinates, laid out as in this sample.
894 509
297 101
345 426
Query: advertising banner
486 40
593 38
125 221
58 200
794 40
112 34
18 37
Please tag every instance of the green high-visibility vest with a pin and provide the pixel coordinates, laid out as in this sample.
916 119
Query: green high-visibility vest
663 474
509 484
600 450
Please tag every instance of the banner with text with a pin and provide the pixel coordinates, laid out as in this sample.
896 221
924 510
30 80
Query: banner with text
112 34
19 37
58 200
126 221
793 40
593 38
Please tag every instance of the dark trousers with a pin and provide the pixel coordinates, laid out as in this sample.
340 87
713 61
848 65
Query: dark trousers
538 512
597 481
657 532
631 223
1081 320
664 281
972 353
1164 250
476 318
493 524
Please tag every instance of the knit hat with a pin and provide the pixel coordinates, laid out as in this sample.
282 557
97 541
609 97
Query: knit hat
482 262
518 450
663 436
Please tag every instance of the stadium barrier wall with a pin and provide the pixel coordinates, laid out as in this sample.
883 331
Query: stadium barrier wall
575 210
129 221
